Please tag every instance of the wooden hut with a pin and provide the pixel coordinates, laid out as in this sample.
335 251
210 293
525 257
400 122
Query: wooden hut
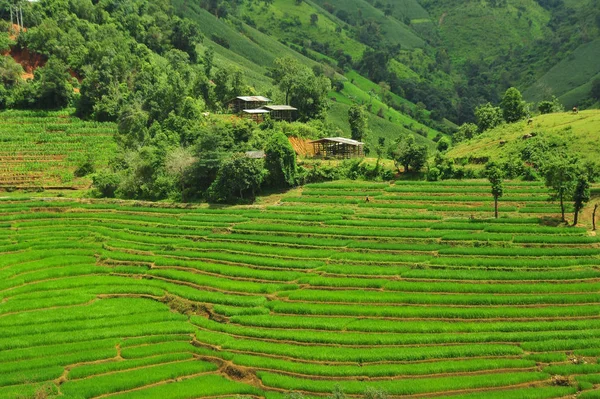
338 147
281 112
238 104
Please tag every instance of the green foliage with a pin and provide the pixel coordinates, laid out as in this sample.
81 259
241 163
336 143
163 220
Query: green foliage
550 106
581 195
238 178
280 161
302 88
495 176
359 124
513 106
488 117
443 145
465 132
561 177
409 154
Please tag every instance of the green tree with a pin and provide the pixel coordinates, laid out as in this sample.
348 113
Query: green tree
488 117
10 71
410 155
560 176
208 60
186 36
285 75
495 175
443 145
178 164
581 196
359 122
54 90
513 107
280 161
302 88
238 178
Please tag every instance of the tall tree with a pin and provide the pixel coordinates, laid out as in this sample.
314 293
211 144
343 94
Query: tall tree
285 75
302 88
495 176
280 161
178 163
359 122
513 106
560 175
410 155
581 196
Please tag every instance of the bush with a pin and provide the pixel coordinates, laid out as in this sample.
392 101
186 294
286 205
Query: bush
238 178
86 168
433 174
106 183
530 174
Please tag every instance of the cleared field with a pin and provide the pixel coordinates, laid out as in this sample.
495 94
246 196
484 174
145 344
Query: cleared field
417 292
44 149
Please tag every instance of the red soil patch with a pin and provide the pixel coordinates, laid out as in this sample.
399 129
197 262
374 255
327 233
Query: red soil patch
29 60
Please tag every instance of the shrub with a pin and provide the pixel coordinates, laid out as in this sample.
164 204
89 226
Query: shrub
106 183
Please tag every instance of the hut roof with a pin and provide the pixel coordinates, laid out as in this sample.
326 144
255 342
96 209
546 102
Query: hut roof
256 111
340 140
279 108
250 99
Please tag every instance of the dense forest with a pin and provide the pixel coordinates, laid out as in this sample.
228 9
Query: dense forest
400 75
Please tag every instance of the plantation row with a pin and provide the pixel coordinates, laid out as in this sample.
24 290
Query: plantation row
130 301
45 149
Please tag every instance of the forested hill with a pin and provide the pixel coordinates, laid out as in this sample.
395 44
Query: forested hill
448 56
417 65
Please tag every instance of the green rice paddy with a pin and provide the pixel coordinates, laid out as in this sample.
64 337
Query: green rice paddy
417 292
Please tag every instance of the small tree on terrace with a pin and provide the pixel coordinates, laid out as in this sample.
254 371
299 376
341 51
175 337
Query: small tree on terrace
410 155
495 176
581 196
560 176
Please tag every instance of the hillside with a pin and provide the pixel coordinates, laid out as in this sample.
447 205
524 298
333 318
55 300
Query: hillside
579 134
571 79
45 150
286 30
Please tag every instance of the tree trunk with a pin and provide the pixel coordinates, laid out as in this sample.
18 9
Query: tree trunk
562 207
576 216
496 207
594 217
406 168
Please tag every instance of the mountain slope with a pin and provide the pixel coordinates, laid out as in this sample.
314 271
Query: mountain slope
579 135
565 78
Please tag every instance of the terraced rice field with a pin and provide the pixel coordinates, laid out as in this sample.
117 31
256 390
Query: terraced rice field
416 293
42 150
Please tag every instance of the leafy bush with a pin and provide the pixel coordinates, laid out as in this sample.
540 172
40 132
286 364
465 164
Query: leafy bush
106 183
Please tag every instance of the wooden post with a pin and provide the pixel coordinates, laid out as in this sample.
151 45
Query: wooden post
594 217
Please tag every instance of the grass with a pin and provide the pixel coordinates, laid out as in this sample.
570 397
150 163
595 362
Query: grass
580 130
